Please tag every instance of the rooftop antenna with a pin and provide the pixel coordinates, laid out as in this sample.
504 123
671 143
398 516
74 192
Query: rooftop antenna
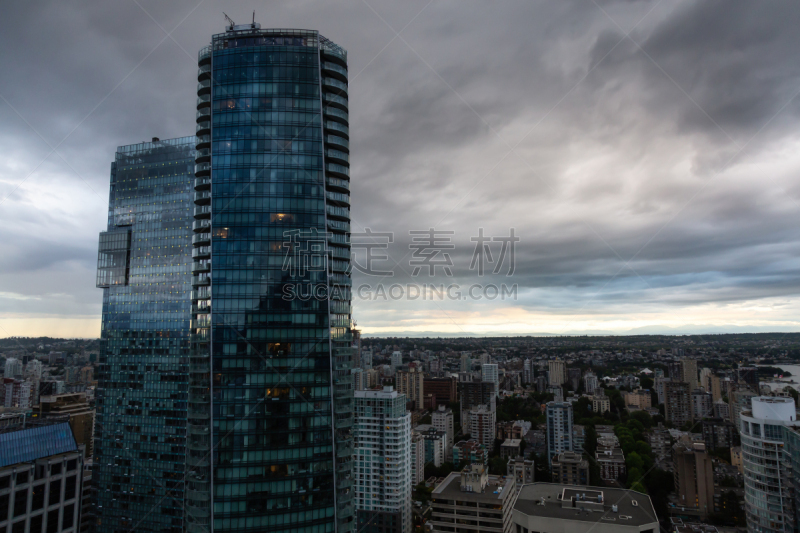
231 23
254 17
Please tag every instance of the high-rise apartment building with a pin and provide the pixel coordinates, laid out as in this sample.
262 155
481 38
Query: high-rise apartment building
768 484
702 404
694 477
417 459
557 370
442 420
397 359
144 268
489 372
445 390
475 393
677 403
13 368
465 364
383 480
559 428
270 391
689 372
481 425
590 383
748 375
411 383
527 371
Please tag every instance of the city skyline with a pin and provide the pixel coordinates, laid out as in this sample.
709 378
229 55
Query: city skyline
649 180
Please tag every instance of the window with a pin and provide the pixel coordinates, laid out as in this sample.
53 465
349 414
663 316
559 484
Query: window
756 430
69 517
18 527
5 482
52 521
4 507
37 500
55 493
22 477
69 488
55 469
20 503
72 464
36 523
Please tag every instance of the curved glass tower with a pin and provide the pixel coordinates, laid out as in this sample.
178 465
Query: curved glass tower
270 393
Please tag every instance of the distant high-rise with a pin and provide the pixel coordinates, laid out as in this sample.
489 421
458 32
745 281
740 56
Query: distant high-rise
383 480
557 372
412 385
689 372
527 371
270 391
748 375
590 383
694 476
144 268
677 403
559 428
489 372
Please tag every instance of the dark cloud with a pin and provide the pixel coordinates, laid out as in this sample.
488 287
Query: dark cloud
617 160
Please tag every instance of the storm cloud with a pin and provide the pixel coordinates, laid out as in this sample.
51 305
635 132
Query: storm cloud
645 153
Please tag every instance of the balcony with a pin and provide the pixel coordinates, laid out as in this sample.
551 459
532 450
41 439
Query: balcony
337 127
336 114
337 169
202 197
204 55
335 99
203 114
200 281
337 142
338 87
203 141
202 184
203 128
337 154
203 100
202 169
197 268
202 211
333 211
336 183
335 68
203 252
201 239
204 72
337 197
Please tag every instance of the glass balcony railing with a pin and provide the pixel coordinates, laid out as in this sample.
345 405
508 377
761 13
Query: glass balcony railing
201 252
334 67
335 126
202 183
336 84
340 169
337 183
336 99
202 211
338 141
336 112
337 154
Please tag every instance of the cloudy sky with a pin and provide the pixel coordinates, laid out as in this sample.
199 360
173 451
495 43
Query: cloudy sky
645 153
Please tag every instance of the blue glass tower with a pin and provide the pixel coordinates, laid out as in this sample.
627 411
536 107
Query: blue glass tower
144 264
270 392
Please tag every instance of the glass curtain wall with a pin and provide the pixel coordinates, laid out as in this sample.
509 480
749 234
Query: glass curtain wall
144 265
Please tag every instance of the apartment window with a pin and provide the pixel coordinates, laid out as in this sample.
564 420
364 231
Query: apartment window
69 517
69 488
55 494
22 477
52 521
36 523
55 469
20 503
37 501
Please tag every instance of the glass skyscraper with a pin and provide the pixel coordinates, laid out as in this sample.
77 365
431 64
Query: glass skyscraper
270 391
144 268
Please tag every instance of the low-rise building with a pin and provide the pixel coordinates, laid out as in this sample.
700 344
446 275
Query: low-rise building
611 462
511 448
470 451
558 508
472 501
570 468
600 403
41 473
521 469
578 437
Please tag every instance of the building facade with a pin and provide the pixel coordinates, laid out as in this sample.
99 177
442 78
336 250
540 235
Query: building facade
694 477
411 383
482 425
559 428
570 468
677 403
557 372
442 419
270 391
144 268
768 485
383 462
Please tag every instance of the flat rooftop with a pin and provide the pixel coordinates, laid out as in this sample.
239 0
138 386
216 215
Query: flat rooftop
633 508
450 489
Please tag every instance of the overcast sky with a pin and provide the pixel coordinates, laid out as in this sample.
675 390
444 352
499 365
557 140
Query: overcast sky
645 153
